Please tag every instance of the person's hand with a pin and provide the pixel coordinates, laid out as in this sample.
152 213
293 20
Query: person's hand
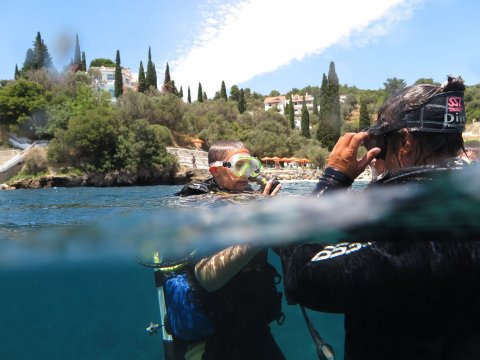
344 155
275 191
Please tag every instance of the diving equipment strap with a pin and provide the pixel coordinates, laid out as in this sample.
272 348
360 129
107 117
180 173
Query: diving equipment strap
324 350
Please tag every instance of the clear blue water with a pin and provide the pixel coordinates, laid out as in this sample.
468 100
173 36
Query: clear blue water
99 308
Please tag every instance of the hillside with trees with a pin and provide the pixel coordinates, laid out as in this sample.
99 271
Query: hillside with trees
89 132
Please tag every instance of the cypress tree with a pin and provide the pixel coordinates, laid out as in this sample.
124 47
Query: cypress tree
315 105
83 66
334 117
168 86
154 72
242 106
17 73
305 124
76 59
118 76
223 92
205 98
151 77
291 113
142 84
364 120
322 131
200 93
180 93
189 96
330 121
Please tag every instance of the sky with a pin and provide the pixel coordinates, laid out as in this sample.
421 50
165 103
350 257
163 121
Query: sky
263 45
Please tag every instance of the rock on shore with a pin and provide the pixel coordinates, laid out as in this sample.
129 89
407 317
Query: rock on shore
110 179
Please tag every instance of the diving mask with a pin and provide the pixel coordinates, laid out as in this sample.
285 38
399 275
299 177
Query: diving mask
241 165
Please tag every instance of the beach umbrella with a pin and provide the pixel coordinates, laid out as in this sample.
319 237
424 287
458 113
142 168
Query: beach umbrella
276 159
266 159
304 160
285 159
198 143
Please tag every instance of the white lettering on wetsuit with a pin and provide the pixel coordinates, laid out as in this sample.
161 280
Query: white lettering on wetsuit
331 251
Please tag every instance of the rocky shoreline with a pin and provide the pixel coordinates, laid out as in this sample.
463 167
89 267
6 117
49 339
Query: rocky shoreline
112 179
181 177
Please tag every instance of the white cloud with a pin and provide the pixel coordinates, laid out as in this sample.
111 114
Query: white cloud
241 40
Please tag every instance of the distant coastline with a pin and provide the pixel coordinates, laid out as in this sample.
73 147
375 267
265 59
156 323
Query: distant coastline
148 178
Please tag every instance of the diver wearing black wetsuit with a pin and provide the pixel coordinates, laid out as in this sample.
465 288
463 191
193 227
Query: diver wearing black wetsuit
412 294
409 296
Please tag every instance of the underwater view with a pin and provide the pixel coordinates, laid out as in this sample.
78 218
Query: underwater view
65 302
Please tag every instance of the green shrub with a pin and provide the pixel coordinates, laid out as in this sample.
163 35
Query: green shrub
36 162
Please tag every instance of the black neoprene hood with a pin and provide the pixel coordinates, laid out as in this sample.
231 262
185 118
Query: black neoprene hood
443 113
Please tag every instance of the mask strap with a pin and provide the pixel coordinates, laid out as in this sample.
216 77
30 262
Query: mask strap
237 151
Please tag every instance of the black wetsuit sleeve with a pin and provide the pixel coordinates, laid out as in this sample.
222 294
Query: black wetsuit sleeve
343 277
331 179
193 189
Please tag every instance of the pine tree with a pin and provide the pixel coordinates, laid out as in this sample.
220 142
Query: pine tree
118 76
364 121
305 124
200 93
151 77
189 96
38 57
242 106
83 66
42 56
168 86
77 61
17 73
142 84
234 93
223 91
29 60
180 93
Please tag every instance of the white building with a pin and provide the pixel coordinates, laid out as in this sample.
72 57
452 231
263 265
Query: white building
275 102
279 103
298 104
104 78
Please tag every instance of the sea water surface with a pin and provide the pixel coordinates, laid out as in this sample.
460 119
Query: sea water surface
57 304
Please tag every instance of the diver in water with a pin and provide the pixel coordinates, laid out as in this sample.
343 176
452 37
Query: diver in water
236 287
413 294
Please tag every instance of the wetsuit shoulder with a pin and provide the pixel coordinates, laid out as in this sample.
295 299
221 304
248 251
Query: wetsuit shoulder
198 188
